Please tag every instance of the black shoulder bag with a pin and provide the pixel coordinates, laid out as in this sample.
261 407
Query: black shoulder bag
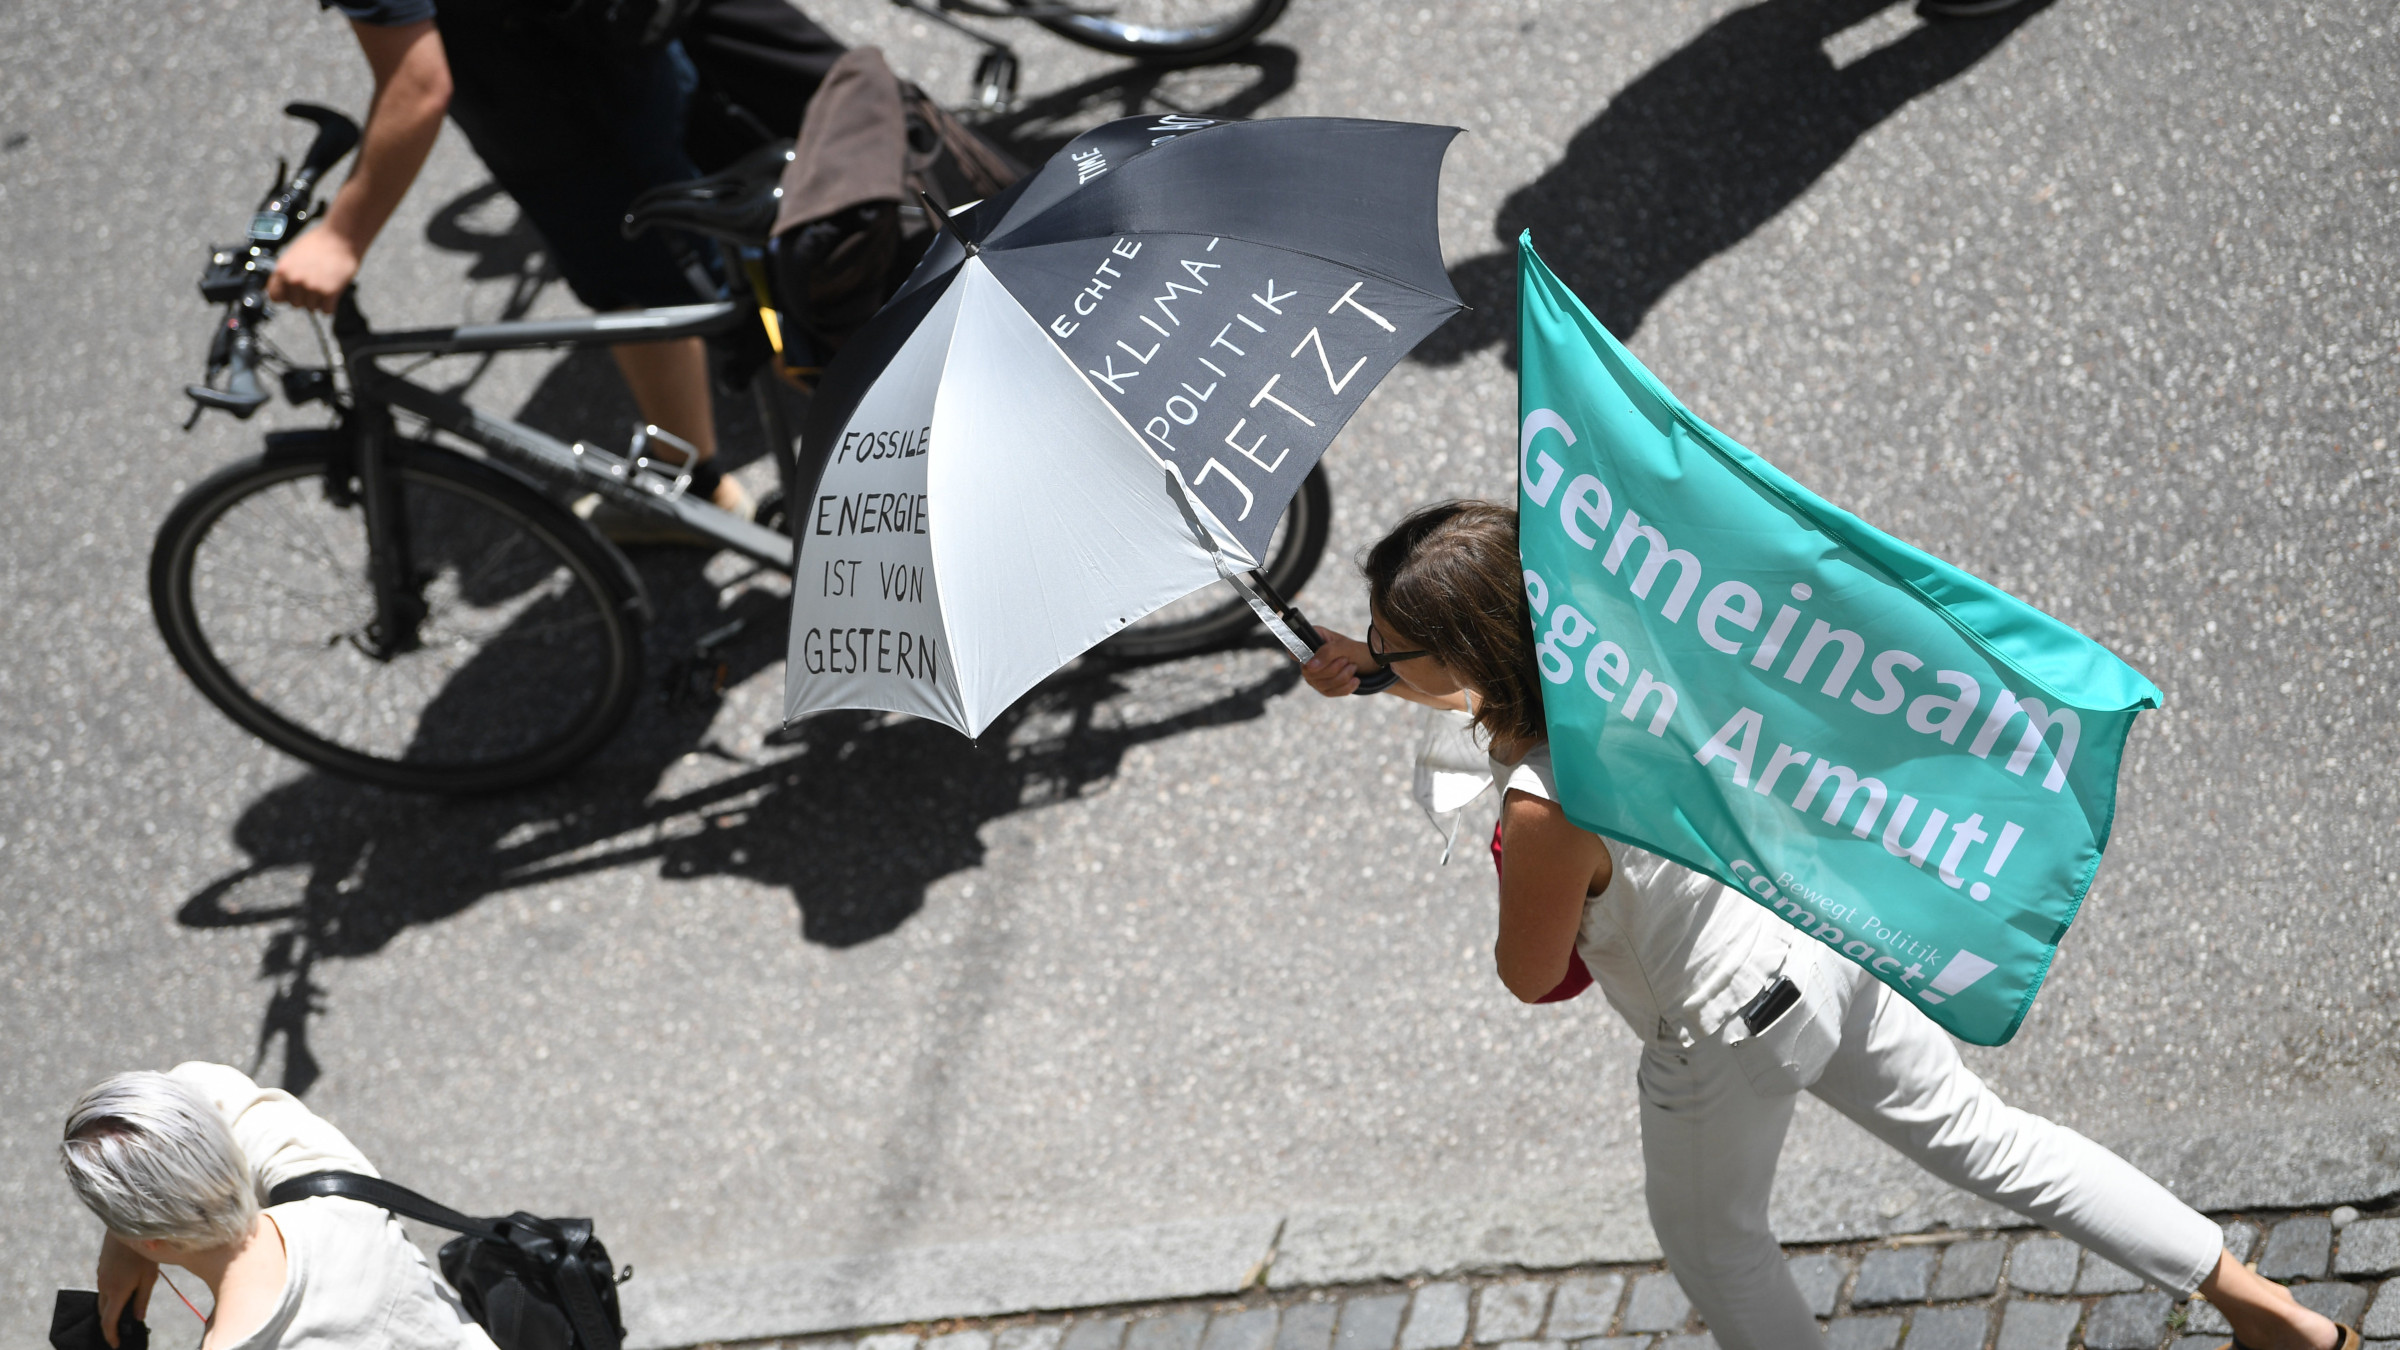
533 1283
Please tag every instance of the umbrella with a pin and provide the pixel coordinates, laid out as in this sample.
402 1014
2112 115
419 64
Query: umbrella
1096 395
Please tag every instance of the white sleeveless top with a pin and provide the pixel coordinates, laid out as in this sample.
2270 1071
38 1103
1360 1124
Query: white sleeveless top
351 1277
1677 954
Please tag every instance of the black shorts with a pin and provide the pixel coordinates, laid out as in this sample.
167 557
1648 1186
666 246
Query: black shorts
575 130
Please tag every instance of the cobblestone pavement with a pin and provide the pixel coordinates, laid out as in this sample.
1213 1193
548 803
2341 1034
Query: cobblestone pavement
2006 1290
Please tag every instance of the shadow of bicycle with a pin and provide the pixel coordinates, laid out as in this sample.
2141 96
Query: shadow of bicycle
1234 87
337 870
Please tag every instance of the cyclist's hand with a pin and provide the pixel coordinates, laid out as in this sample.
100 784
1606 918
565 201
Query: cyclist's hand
123 1274
1334 671
314 271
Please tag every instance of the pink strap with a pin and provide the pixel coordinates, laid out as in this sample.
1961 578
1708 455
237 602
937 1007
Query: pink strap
1579 976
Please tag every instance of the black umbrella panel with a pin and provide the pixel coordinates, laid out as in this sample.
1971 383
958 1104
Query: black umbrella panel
1233 289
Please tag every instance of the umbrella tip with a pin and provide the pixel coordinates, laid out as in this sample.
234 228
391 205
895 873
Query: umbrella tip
942 221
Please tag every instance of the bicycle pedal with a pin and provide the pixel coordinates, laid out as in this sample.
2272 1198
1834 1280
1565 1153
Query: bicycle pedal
661 478
695 681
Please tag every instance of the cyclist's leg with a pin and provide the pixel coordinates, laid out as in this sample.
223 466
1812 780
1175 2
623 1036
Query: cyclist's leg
669 381
574 131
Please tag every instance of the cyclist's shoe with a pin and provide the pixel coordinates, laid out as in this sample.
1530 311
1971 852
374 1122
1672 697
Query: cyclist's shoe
623 525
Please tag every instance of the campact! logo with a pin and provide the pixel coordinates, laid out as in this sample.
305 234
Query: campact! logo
1965 968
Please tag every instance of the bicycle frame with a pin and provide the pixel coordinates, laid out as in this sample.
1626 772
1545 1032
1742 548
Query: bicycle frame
376 391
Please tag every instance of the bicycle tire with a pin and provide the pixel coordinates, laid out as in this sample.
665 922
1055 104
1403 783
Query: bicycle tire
1235 26
1217 614
261 554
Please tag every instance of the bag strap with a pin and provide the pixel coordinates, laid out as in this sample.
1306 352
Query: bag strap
376 1191
583 1306
574 1288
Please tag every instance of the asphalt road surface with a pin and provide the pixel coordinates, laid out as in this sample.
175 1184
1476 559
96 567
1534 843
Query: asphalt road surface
2095 300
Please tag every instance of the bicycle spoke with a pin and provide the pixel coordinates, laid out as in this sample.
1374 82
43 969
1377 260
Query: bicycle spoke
311 524
538 634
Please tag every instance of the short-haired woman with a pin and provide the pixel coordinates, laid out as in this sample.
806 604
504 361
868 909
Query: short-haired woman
1681 957
178 1166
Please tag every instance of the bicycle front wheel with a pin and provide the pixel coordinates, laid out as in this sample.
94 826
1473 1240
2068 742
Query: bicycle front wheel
1162 32
528 656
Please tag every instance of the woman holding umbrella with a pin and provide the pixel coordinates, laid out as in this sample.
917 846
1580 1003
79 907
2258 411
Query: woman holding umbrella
1697 969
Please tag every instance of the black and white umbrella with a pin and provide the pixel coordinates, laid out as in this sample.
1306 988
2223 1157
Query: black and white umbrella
1096 395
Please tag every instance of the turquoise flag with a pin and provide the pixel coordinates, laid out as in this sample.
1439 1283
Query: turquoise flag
1899 760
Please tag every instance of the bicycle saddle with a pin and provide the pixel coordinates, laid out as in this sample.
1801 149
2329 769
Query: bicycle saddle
737 204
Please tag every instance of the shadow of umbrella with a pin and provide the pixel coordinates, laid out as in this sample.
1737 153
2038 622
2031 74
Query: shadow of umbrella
1698 152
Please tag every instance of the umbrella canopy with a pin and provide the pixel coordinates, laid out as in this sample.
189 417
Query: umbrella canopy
1097 396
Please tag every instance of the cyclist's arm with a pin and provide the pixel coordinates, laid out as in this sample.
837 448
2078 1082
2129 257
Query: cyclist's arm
412 91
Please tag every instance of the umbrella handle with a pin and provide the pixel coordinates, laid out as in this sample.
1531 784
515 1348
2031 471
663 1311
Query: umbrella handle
1369 681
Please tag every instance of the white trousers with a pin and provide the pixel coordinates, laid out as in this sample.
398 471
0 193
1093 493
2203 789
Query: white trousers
1710 1140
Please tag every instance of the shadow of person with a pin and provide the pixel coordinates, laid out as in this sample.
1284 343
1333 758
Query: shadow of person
1699 151
336 870
501 245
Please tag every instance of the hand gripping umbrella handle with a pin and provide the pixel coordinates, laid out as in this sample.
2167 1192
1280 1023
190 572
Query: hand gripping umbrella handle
1369 681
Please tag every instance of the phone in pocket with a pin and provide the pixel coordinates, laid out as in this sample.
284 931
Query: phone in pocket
1760 1013
1790 1037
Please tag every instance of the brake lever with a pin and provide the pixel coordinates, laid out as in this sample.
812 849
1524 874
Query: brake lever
242 395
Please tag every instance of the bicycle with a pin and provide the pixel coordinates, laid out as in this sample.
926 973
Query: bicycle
1154 32
395 609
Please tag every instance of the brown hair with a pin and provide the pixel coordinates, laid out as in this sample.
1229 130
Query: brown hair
1449 580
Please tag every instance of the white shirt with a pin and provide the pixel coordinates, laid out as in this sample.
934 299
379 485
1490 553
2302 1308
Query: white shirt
1676 954
351 1277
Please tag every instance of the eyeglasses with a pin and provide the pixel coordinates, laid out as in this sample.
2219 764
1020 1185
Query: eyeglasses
1383 658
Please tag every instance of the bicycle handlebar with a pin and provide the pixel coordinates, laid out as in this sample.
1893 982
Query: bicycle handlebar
336 136
237 275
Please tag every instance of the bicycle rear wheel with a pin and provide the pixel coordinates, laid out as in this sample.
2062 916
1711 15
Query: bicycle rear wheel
1163 32
1216 614
528 658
